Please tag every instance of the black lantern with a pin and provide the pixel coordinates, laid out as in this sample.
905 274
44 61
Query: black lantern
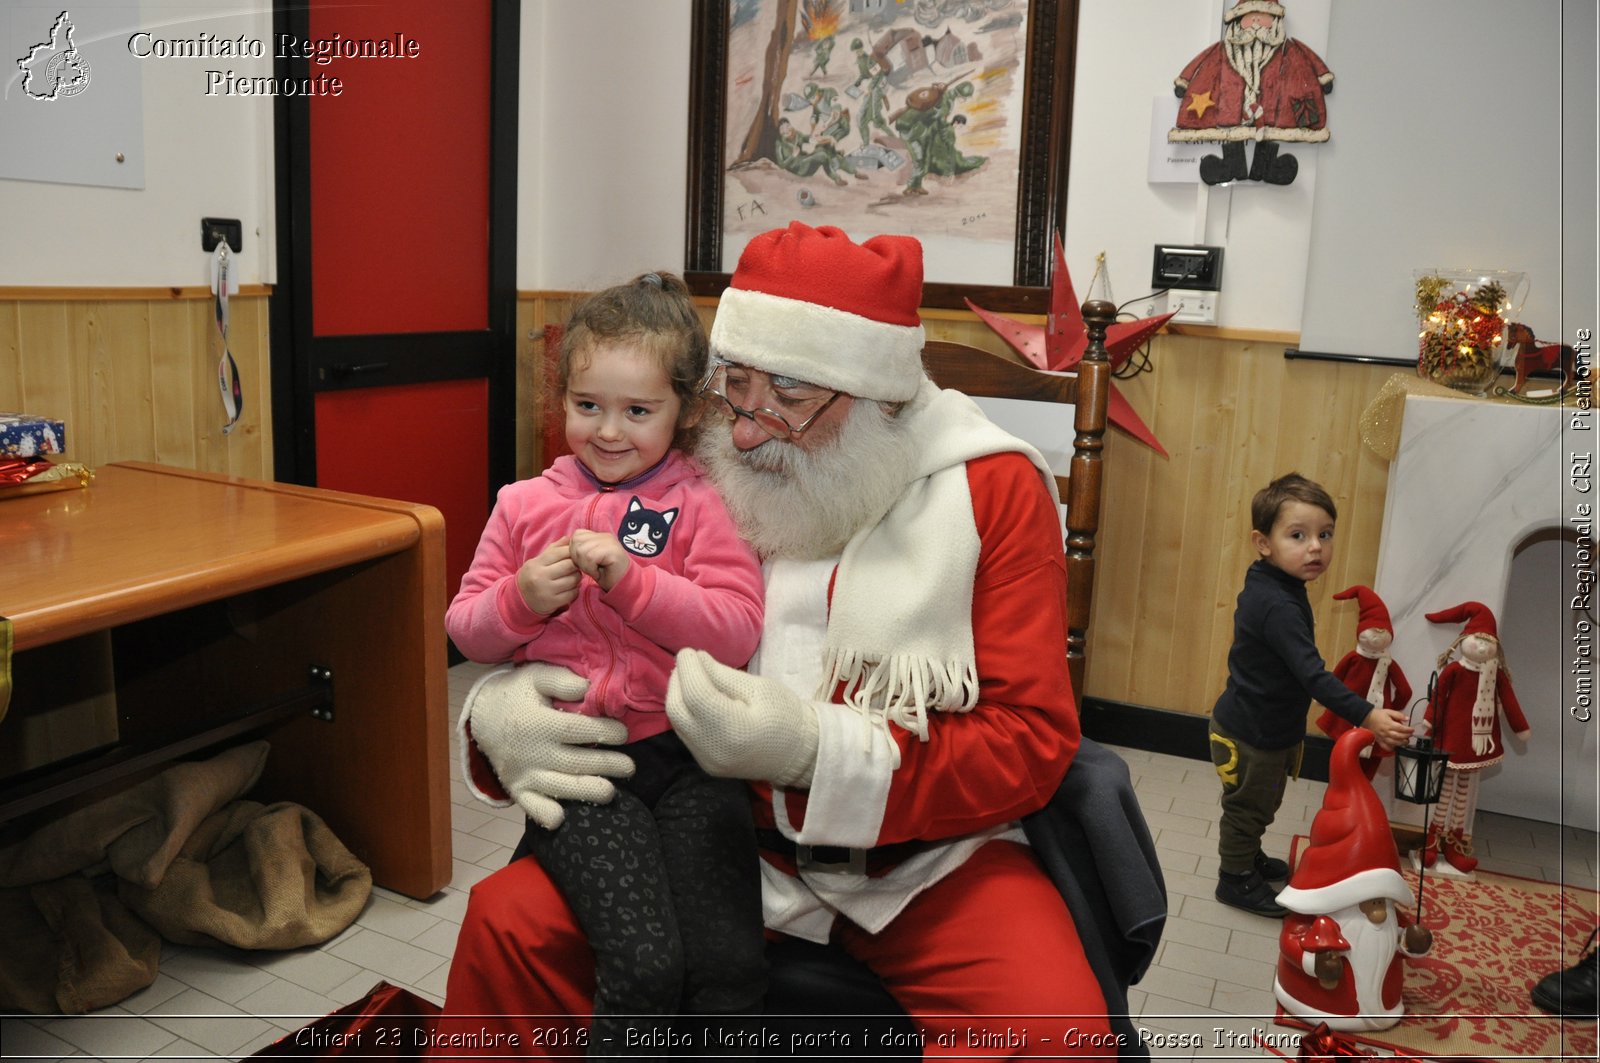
1419 778
1419 772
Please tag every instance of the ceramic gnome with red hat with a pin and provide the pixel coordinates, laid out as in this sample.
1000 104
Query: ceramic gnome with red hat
1340 955
1369 671
1464 720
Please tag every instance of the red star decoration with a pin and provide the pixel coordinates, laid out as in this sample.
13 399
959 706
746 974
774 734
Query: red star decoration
1059 343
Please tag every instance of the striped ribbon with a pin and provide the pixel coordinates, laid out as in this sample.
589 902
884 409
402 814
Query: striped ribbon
227 368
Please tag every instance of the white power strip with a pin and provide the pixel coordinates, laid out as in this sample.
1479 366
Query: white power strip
1193 307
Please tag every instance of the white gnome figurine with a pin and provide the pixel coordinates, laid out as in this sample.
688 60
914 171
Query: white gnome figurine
1342 949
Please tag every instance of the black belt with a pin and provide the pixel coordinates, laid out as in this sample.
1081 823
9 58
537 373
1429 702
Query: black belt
872 861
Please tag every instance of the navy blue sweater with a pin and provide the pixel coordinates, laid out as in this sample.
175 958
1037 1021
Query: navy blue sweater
1274 667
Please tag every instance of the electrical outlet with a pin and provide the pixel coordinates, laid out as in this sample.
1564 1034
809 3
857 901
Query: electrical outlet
1193 307
229 229
1193 268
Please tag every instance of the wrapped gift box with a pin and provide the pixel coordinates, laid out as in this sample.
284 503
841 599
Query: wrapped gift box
26 436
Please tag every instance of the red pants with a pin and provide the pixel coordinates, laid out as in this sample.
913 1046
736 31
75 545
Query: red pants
987 963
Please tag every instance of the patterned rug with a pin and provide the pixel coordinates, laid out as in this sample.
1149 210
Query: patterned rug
1493 938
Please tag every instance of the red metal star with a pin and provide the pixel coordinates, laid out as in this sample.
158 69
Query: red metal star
1059 343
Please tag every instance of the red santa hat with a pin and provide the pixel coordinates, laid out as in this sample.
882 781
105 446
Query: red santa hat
1352 855
1247 7
813 305
1373 612
1479 620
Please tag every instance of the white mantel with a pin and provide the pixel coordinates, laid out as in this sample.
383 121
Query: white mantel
1480 507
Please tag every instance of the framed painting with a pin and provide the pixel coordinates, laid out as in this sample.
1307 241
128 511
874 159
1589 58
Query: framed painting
947 120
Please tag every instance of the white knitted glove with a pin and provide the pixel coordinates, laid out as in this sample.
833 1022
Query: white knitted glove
740 726
540 753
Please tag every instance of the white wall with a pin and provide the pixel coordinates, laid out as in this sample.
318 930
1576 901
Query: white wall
603 159
204 157
603 154
603 189
1129 53
1450 168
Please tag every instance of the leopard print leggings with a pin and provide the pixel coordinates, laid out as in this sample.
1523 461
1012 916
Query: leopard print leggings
664 880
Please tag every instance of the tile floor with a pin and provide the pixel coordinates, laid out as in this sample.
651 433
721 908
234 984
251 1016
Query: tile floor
1214 969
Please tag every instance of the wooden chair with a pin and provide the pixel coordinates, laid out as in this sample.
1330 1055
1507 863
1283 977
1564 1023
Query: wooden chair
980 373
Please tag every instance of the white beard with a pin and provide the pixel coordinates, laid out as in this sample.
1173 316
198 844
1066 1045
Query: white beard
1249 51
1372 949
807 504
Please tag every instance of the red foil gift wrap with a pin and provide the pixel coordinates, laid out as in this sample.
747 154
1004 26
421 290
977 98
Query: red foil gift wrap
18 470
387 1023
24 476
1323 1044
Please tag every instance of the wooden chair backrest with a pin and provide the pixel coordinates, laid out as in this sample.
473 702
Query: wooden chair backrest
982 374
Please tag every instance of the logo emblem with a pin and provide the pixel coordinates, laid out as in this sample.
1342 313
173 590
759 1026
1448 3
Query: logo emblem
55 69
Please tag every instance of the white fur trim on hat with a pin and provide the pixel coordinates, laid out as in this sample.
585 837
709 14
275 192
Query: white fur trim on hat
820 345
1361 886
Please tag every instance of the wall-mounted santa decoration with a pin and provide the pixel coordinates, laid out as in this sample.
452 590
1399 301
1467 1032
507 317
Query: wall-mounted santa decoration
1255 84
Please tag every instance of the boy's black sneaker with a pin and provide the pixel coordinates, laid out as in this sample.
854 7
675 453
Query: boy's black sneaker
1271 869
1573 993
1250 893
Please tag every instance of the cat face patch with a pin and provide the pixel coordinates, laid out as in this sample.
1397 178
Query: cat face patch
643 532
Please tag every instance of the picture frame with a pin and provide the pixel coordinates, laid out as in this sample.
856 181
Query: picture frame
1042 140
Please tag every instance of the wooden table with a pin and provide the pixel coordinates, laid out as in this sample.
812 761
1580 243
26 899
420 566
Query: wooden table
217 609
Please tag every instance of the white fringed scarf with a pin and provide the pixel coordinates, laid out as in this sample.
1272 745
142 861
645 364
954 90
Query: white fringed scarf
900 623
1380 675
1483 704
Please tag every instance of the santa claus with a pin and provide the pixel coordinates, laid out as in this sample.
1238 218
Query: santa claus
1464 715
908 706
1256 84
1369 671
1340 957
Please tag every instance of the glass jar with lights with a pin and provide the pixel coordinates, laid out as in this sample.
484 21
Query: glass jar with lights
1462 316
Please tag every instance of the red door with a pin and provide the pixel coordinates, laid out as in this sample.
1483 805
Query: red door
394 314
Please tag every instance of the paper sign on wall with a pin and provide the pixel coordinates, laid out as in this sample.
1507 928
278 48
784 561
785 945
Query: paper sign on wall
1172 163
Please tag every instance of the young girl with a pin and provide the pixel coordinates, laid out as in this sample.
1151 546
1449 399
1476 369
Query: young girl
611 561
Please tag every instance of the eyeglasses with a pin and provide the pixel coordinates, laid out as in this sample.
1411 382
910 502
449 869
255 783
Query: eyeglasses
767 419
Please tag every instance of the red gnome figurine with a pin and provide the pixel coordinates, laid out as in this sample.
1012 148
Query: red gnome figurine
1464 718
1339 953
1369 671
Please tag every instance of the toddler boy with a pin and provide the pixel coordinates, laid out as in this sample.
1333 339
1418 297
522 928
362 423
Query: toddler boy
1258 726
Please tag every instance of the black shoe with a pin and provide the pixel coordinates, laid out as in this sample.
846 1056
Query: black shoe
1229 166
1574 992
1271 869
1269 166
1250 893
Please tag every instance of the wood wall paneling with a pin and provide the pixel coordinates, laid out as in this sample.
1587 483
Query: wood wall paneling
135 379
1174 540
134 375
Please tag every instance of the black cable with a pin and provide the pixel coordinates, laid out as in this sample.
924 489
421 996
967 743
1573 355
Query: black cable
1139 361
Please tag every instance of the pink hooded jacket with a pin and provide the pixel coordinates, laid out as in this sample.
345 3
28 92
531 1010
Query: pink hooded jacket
692 582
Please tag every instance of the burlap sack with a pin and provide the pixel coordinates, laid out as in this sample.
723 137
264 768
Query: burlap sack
257 877
139 830
72 947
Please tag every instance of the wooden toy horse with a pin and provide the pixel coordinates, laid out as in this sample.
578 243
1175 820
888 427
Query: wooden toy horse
1532 356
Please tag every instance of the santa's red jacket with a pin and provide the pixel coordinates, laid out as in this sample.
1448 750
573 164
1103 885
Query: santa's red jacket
1290 106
